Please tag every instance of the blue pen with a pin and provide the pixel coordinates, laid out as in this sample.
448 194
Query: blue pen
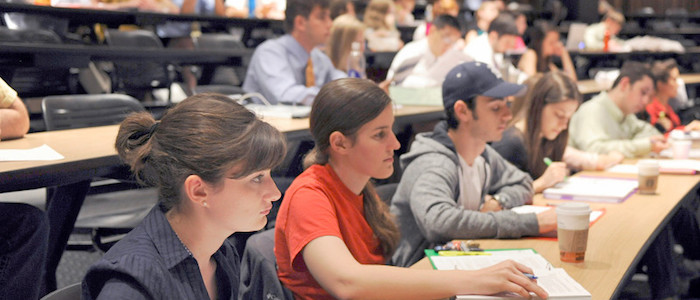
528 275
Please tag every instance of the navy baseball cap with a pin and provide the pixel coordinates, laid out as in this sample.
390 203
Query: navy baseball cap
470 79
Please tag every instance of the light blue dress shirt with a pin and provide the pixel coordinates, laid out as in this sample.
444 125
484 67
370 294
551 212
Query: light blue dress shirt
182 29
277 70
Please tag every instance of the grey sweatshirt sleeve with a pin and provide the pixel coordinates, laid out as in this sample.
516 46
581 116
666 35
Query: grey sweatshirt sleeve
513 186
438 216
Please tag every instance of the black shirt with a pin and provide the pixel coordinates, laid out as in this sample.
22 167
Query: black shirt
152 263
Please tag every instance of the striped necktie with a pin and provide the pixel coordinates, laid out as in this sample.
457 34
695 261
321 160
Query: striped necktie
310 80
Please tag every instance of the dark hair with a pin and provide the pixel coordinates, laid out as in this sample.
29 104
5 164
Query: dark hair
452 122
339 7
553 87
445 20
301 8
345 105
204 135
504 24
537 35
635 71
661 70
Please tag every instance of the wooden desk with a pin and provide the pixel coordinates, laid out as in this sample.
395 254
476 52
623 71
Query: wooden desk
617 241
590 86
89 152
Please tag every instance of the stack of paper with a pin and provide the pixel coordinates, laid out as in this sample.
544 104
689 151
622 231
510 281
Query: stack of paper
557 283
589 188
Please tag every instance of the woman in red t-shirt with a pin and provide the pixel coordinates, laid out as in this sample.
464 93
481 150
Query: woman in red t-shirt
661 114
333 234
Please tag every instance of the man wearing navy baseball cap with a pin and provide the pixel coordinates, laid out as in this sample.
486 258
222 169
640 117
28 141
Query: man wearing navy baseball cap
455 186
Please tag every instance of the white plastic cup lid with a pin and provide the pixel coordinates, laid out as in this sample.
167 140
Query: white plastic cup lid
573 208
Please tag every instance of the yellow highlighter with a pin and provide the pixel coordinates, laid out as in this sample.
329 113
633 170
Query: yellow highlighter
459 253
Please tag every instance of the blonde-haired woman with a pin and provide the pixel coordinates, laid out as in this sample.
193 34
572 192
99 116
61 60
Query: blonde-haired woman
346 30
381 32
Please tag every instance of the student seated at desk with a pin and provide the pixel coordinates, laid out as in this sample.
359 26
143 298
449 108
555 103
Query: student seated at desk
455 186
264 9
543 49
24 229
439 7
595 35
490 48
210 158
660 113
381 32
290 69
486 13
424 63
334 235
346 30
540 132
608 122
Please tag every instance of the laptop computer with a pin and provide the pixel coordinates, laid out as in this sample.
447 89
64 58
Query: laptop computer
574 39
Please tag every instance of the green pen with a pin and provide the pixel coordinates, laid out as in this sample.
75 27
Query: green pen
548 162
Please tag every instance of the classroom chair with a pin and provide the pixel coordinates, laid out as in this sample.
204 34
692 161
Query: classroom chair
112 221
70 292
139 78
259 269
36 81
221 75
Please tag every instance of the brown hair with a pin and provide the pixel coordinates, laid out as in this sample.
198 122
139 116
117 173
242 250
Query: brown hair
553 87
343 33
662 70
345 105
204 135
375 14
301 8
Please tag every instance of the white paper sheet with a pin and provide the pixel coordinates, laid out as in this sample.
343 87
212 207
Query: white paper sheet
43 152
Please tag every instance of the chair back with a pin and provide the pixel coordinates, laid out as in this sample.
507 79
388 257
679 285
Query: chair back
70 292
138 78
78 111
218 41
40 80
222 75
259 269
33 36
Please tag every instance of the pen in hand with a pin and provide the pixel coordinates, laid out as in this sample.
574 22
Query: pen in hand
531 276
548 161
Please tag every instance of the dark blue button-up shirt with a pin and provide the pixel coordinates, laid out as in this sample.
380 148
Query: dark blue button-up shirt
152 263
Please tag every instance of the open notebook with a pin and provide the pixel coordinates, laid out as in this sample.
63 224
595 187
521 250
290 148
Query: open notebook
557 283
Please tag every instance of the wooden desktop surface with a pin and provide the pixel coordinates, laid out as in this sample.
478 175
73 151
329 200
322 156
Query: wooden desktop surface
590 86
616 242
87 150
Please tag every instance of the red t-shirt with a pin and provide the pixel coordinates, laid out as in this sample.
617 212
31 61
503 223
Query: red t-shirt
655 108
319 204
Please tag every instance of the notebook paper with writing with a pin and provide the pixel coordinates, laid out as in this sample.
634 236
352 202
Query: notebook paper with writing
591 188
557 283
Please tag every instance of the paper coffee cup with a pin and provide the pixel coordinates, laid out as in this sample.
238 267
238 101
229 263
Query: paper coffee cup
648 176
572 230
681 149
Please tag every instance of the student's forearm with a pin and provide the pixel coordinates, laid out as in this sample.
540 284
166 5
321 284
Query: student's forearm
13 123
568 65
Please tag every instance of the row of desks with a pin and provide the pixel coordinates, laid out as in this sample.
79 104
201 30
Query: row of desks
617 241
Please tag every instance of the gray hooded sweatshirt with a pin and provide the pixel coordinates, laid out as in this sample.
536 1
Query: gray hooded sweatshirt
426 201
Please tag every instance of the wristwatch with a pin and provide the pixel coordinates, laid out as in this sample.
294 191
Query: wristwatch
499 200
